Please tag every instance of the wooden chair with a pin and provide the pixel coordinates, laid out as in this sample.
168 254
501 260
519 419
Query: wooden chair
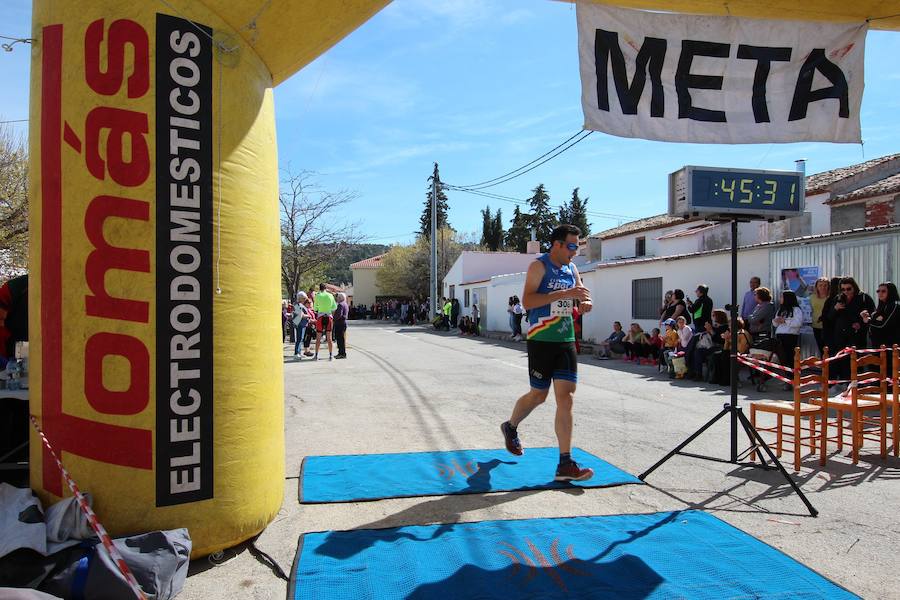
810 394
895 399
867 394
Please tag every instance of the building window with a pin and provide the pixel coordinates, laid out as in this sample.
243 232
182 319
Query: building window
466 299
646 296
452 292
640 246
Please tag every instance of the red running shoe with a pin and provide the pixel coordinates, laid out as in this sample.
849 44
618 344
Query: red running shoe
511 436
572 472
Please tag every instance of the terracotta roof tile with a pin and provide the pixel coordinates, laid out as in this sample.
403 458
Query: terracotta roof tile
821 181
373 262
888 185
645 224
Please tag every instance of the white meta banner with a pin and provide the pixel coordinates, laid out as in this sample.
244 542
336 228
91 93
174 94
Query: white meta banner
719 80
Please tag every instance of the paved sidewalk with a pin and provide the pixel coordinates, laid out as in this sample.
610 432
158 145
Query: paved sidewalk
411 389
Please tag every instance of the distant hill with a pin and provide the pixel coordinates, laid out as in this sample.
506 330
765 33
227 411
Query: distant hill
339 269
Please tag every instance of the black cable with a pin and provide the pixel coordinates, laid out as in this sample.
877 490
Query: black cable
526 164
544 161
523 202
266 560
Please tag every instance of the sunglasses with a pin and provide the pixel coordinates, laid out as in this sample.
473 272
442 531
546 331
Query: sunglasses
571 246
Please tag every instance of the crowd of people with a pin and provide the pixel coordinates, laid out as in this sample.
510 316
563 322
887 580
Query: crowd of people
693 339
316 315
404 311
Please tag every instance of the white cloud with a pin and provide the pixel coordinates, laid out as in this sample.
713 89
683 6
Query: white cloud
359 88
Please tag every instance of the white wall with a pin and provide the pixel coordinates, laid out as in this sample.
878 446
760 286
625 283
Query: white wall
611 284
821 213
365 286
481 266
499 290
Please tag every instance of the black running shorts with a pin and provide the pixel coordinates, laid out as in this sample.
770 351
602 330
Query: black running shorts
551 360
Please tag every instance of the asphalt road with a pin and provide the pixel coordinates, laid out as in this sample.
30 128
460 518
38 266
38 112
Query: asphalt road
409 389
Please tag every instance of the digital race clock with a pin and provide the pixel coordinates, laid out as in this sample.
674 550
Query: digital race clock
749 193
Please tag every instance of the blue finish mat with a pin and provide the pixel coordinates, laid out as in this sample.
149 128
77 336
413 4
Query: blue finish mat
687 554
353 478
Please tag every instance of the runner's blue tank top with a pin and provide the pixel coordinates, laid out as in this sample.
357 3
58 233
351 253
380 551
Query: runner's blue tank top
544 327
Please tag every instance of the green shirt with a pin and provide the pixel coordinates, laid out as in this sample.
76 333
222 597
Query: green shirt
324 303
447 308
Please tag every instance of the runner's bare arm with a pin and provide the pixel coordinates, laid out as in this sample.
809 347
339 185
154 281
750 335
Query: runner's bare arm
584 306
532 299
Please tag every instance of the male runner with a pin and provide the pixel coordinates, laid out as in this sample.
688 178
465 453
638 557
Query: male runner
551 286
324 304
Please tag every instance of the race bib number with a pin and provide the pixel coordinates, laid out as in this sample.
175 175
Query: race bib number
561 308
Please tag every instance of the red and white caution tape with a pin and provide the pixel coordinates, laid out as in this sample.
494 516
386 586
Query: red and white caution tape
92 519
759 361
743 360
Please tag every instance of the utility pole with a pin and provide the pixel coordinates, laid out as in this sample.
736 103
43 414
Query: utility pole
434 281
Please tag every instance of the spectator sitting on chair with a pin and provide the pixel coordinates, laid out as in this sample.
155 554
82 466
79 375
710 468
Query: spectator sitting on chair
653 345
761 318
633 342
670 338
613 342
705 348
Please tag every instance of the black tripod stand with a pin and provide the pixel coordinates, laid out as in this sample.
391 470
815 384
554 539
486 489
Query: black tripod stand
732 408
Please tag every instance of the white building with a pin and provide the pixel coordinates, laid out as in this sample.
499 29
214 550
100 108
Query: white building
468 278
850 227
365 281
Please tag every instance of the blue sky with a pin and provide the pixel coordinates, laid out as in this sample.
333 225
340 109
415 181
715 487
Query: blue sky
482 87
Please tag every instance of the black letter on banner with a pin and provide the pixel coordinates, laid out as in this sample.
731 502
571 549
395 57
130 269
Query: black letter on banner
763 55
607 50
184 467
684 81
803 94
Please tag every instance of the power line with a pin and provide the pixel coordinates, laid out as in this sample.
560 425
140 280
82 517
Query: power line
14 121
526 164
523 202
519 172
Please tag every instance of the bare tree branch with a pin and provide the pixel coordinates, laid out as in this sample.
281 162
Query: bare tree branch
13 203
311 234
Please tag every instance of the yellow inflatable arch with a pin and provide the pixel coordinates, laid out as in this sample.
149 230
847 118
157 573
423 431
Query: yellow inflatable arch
157 368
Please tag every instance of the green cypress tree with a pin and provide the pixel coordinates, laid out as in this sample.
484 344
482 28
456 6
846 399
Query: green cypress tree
497 232
486 227
542 219
518 235
575 213
442 207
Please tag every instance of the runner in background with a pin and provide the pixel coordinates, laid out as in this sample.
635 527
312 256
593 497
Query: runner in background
551 287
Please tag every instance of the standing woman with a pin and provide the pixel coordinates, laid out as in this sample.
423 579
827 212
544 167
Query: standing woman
849 328
300 322
518 313
821 294
667 308
884 323
680 307
788 321
512 317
